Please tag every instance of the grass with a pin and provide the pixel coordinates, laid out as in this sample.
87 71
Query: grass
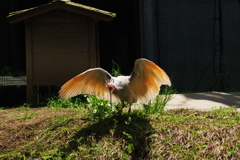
156 107
25 115
71 130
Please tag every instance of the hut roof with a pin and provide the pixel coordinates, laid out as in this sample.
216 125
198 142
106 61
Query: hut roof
22 15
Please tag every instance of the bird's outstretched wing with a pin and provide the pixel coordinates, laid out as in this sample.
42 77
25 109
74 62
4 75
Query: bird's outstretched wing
146 79
92 82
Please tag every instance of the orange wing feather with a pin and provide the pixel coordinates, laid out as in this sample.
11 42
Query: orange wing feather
90 82
146 80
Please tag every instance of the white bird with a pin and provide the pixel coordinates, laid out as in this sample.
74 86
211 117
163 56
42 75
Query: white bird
142 85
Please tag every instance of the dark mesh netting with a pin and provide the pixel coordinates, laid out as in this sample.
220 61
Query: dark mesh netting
230 44
198 42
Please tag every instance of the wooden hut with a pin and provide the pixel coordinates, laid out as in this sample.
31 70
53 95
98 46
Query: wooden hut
61 41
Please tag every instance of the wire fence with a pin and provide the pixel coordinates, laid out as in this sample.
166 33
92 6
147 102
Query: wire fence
12 81
198 42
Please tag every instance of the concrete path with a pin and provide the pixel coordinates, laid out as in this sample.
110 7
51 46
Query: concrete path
204 101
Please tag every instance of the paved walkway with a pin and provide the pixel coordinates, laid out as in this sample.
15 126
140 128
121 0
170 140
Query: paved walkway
204 101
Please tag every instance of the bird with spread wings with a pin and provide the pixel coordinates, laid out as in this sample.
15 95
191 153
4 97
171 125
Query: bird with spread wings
142 85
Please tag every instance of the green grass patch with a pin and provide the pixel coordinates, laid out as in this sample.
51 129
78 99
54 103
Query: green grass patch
69 133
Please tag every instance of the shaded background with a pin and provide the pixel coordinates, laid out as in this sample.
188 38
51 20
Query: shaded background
197 42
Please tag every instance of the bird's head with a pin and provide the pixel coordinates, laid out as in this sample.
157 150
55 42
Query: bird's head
111 87
109 84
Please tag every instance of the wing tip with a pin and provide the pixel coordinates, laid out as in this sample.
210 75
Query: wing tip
164 78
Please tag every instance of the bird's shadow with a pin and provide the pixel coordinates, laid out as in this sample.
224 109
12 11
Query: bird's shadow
120 128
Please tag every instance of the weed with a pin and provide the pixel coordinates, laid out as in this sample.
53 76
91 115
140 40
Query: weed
26 115
24 107
93 107
56 103
157 105
97 108
61 121
116 70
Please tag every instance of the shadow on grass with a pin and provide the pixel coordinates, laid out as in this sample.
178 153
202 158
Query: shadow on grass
134 131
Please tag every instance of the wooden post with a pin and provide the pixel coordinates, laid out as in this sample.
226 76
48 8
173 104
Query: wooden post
93 42
28 36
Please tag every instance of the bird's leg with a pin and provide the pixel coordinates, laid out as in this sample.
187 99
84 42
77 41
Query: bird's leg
129 110
120 111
